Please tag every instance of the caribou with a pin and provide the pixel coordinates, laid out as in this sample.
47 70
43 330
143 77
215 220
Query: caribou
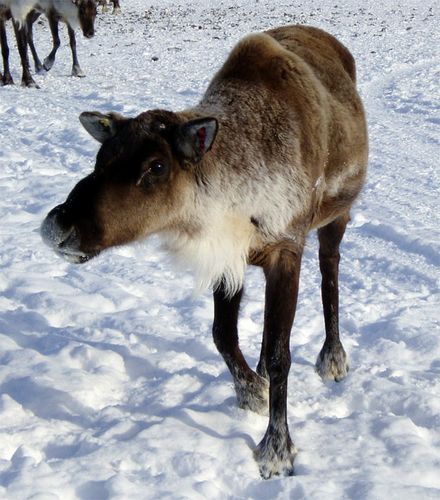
71 12
24 13
276 147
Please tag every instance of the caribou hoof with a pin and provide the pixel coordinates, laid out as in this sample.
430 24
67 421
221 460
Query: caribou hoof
78 72
275 455
40 69
6 80
30 84
332 362
253 395
48 63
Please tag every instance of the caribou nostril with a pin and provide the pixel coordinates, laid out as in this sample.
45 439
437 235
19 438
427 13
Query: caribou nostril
53 232
70 239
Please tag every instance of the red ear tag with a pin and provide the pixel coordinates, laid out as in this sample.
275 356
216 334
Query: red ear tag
201 135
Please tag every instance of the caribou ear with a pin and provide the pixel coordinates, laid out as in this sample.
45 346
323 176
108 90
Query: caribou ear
101 127
195 138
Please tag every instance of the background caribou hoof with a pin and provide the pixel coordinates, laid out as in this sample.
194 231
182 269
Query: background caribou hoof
30 84
6 80
275 455
332 362
78 72
48 63
39 68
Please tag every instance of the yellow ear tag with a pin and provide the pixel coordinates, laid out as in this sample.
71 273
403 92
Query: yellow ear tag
105 122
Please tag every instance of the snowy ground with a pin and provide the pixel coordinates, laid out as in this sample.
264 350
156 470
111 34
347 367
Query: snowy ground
110 385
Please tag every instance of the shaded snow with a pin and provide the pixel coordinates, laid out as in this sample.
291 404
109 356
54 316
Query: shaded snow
110 385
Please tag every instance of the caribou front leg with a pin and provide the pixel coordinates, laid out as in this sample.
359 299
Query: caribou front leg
30 20
54 29
251 389
275 453
76 68
6 79
22 44
332 360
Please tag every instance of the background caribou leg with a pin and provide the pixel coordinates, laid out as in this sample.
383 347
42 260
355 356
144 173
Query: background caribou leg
53 25
76 69
21 36
6 79
252 390
332 360
30 20
116 7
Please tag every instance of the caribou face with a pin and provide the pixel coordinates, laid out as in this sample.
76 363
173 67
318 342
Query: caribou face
138 185
87 15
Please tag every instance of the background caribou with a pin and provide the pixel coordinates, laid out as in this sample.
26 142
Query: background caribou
276 147
24 13
76 12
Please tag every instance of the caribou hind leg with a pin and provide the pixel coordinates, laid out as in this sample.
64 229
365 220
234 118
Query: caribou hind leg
332 360
251 389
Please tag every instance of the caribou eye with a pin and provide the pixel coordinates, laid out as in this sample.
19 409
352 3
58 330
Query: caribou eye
152 172
157 169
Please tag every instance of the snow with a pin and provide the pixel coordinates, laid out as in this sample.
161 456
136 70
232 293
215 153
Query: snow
110 384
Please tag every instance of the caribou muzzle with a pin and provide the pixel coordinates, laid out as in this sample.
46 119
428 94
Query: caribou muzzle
89 33
64 239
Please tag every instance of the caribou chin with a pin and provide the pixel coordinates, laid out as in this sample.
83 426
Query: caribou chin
74 257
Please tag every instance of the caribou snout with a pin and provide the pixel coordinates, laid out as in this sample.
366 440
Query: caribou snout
64 240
